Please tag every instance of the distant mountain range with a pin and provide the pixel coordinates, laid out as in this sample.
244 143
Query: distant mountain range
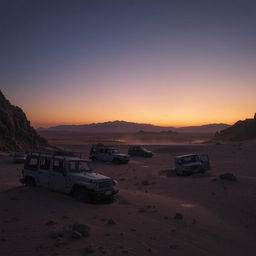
241 130
129 127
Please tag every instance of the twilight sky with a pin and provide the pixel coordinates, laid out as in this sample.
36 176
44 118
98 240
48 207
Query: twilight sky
162 62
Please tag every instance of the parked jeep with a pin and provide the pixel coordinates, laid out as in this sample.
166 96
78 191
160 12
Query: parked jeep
102 152
190 164
67 174
139 151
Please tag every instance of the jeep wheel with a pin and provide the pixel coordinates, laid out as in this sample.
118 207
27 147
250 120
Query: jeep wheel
94 158
110 199
30 182
116 161
179 173
81 194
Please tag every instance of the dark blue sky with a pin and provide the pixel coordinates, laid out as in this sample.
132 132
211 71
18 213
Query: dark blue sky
53 49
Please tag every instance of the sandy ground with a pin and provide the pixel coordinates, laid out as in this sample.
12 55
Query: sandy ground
219 217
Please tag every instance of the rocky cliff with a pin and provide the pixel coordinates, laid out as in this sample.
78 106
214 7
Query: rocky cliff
16 133
241 130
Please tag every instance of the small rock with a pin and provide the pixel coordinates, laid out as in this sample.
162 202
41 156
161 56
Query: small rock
50 223
111 222
83 229
145 183
173 246
56 235
141 210
89 249
11 220
178 216
75 235
228 176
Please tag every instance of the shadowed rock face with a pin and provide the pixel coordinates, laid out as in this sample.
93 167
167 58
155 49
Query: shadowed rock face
16 133
241 130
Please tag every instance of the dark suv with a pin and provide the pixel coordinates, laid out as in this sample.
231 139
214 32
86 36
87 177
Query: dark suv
139 151
106 153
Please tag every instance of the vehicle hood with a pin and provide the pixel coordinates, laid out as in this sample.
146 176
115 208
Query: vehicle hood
90 175
121 155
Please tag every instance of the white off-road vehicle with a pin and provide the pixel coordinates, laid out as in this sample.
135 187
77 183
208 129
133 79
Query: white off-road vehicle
67 174
190 164
105 153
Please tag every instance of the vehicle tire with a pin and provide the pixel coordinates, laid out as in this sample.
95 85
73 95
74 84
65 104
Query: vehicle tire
81 194
179 173
111 199
116 161
30 182
94 158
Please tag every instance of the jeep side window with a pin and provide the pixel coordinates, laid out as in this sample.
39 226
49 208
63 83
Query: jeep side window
72 166
58 166
32 163
45 164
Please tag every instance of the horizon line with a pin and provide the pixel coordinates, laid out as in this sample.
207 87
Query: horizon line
112 121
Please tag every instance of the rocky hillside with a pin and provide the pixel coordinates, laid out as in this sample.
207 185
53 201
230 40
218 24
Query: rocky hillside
16 133
241 130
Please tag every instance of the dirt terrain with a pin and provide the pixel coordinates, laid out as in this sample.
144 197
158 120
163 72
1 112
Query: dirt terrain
155 212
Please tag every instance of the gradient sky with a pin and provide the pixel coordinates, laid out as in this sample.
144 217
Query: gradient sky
162 62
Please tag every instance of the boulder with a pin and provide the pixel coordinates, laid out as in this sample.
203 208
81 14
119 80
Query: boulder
228 176
83 229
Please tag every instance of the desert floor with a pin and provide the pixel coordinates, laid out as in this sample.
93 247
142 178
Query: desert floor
219 217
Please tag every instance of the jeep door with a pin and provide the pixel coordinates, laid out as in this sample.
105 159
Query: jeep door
107 155
101 154
44 172
205 162
58 175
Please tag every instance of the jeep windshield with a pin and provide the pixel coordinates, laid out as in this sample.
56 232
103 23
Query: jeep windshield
114 151
189 159
143 149
77 166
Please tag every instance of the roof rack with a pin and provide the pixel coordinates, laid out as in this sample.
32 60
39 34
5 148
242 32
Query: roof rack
58 153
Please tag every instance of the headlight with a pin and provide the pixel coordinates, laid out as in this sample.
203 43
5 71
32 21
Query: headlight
115 183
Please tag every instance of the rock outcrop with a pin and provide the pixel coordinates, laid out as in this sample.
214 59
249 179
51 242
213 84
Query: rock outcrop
241 130
16 133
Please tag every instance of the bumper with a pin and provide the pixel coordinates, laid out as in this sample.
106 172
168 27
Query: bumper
97 195
123 160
